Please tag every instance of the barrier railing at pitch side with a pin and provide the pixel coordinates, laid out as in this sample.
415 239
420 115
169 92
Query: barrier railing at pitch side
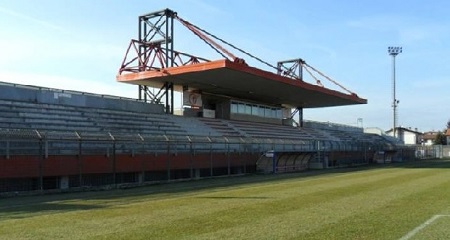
38 160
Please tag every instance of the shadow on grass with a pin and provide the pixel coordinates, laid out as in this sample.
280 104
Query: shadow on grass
228 197
424 163
155 190
18 211
17 206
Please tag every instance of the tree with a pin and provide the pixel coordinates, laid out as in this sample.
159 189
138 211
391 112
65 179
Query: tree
448 124
440 139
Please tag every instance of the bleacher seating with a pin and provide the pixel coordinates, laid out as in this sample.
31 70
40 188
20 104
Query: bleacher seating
264 130
50 133
222 127
64 118
34 108
272 131
257 130
46 117
194 127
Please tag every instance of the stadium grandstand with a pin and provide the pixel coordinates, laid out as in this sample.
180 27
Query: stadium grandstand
235 119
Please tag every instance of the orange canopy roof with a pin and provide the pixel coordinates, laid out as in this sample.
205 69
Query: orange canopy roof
236 80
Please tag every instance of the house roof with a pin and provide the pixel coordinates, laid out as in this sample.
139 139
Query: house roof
447 132
405 130
429 135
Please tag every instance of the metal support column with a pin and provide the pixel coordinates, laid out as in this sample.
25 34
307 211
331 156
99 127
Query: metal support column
41 166
168 93
157 28
168 160
300 116
171 99
79 164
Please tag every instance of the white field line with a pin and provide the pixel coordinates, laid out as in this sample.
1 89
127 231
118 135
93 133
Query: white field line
422 226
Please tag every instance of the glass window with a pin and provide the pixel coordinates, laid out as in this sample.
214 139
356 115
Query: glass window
248 109
254 110
241 108
260 111
234 108
278 113
267 112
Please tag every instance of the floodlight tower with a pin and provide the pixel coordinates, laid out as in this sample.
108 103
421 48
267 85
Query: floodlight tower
394 51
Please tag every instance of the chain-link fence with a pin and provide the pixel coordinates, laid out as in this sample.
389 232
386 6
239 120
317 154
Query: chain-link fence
433 151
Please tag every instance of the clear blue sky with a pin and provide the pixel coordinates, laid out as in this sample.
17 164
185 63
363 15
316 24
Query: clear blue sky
79 45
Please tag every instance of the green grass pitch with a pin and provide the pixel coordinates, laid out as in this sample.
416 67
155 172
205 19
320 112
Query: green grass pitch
387 202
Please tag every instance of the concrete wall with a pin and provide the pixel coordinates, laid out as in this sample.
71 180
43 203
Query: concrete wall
409 138
16 92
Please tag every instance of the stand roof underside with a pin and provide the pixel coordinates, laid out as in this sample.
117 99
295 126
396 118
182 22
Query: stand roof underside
236 80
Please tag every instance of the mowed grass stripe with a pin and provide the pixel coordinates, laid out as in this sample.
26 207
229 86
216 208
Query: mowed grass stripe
94 200
285 207
113 211
288 188
338 205
438 229
165 191
392 213
250 210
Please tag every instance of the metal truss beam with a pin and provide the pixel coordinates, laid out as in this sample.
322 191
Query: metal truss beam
291 68
155 43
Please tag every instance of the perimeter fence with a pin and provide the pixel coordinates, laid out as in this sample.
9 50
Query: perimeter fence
43 160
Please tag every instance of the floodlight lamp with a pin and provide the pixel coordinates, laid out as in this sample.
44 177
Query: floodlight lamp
394 50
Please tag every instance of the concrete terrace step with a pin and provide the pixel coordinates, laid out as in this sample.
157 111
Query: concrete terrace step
73 110
57 116
130 118
125 122
57 122
318 134
193 126
108 112
60 117
261 130
144 130
48 127
222 127
19 104
38 109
